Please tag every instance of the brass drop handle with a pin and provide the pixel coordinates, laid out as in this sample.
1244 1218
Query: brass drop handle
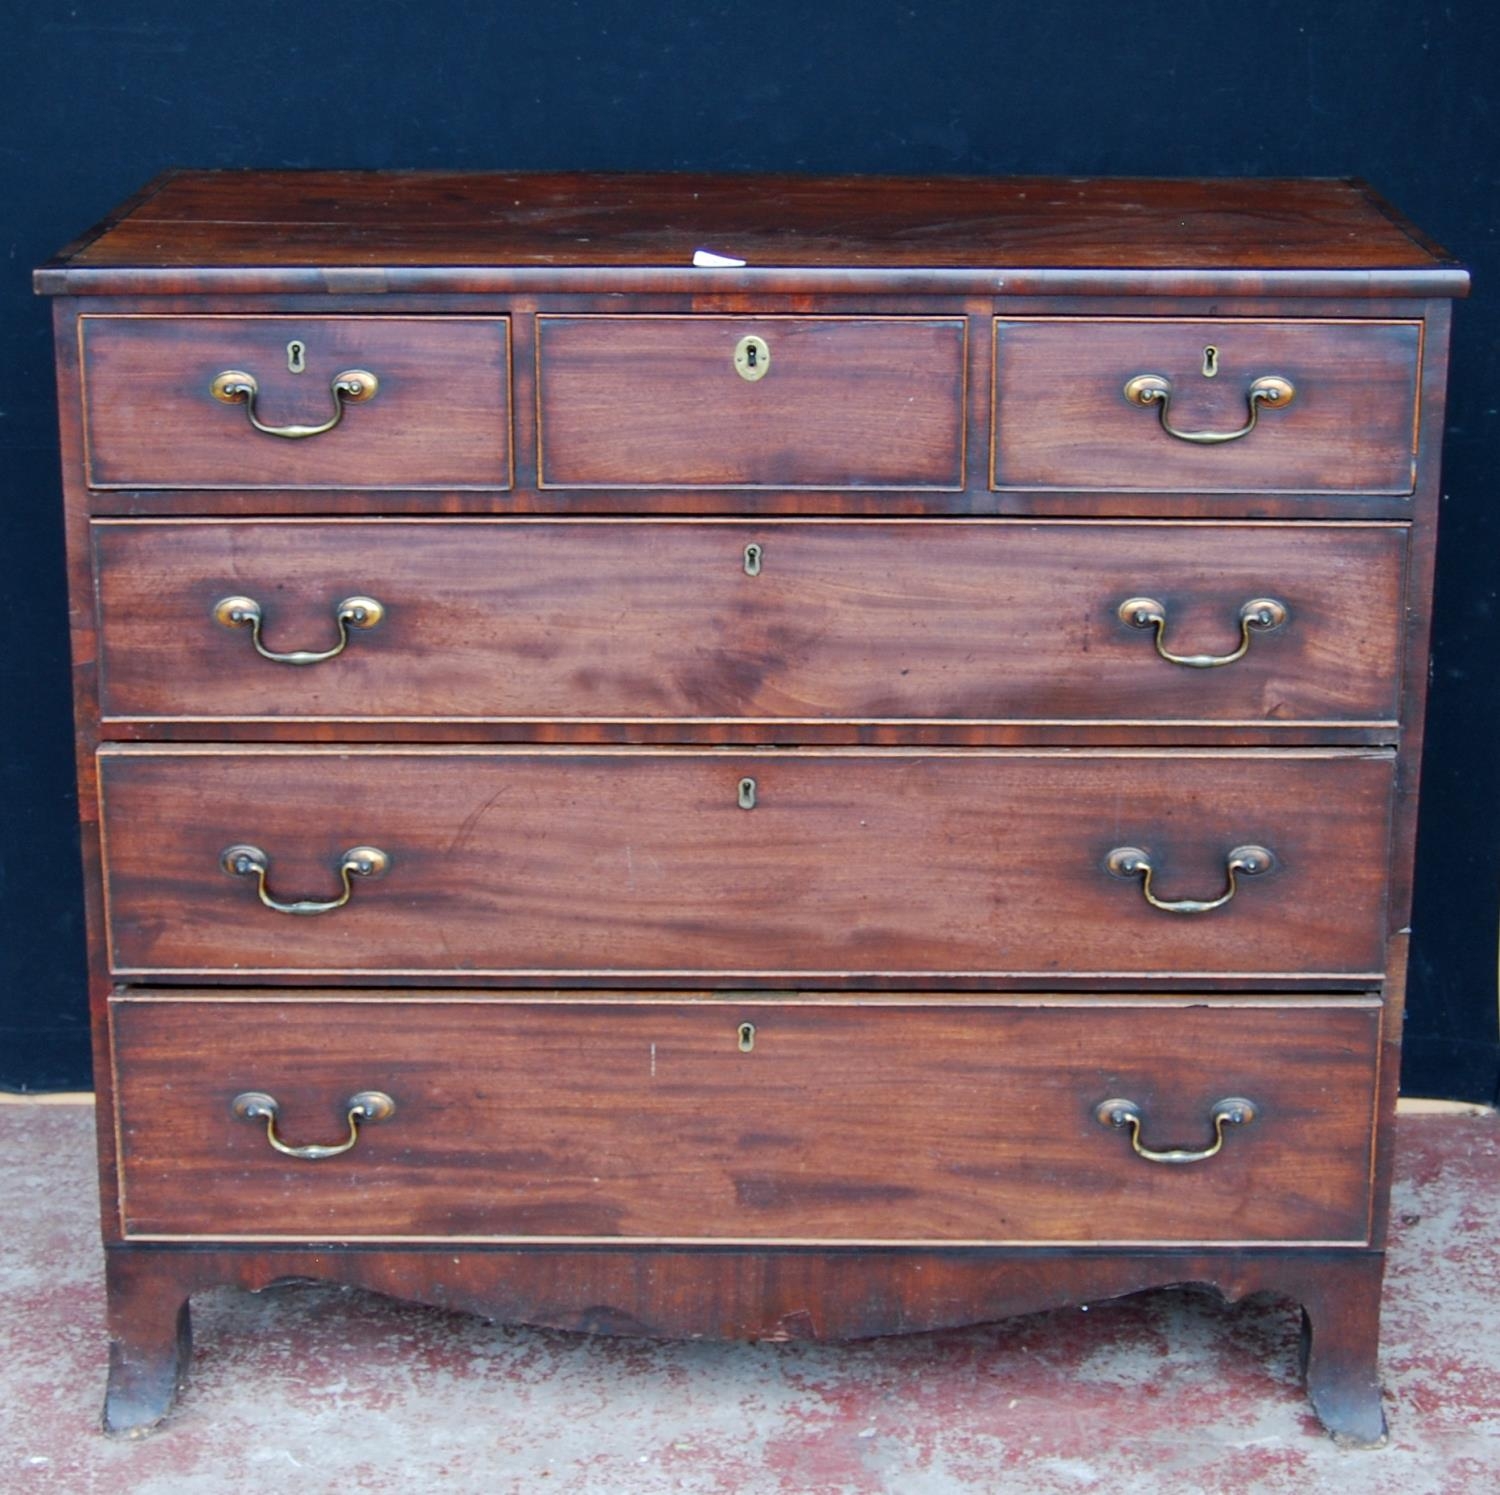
1271 390
1233 1111
352 387
251 861
1243 861
1258 615
246 612
367 1105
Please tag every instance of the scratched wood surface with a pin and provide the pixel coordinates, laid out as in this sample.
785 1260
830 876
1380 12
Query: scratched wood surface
846 624
440 416
289 230
637 863
962 856
545 1120
1062 420
844 402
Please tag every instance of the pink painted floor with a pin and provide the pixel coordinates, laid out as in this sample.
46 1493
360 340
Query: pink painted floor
305 1389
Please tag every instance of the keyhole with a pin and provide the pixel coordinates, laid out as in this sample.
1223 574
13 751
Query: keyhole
753 555
1210 361
752 358
746 1037
296 356
746 796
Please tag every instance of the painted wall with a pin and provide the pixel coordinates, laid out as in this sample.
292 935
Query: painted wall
95 98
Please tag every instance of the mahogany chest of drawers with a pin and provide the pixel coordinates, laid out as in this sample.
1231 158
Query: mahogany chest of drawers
749 756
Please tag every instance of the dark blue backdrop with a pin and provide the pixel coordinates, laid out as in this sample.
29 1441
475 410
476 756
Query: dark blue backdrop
95 98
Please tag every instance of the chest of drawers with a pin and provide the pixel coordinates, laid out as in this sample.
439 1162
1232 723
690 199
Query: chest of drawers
860 785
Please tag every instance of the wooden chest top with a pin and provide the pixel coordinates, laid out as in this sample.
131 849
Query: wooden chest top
296 231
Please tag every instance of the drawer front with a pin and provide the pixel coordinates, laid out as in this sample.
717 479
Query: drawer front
846 622
439 416
842 402
852 865
1062 418
858 1122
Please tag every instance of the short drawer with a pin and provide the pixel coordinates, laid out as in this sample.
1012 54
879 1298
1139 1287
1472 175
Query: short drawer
768 866
1258 406
726 1119
841 623
832 402
158 414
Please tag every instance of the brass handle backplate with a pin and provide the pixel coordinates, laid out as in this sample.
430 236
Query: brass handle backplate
1259 615
251 861
352 387
366 1105
1233 1111
246 612
1271 390
1243 861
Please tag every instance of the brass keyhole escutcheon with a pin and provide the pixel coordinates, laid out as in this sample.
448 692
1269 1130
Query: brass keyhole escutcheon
752 358
753 557
746 1037
296 356
1210 362
745 796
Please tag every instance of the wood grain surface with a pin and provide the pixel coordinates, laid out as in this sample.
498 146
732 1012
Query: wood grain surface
636 863
1062 420
765 1293
850 1123
614 905
848 622
440 417
317 230
848 402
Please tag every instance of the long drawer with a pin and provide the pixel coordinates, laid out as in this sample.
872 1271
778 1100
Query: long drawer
736 1120
844 622
745 865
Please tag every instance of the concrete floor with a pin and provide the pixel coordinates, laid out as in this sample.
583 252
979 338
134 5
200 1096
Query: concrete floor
312 1389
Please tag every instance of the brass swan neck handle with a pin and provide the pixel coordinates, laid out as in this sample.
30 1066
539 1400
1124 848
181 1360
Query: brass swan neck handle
246 612
1233 1111
236 387
251 861
1270 391
1258 615
1243 861
366 1105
